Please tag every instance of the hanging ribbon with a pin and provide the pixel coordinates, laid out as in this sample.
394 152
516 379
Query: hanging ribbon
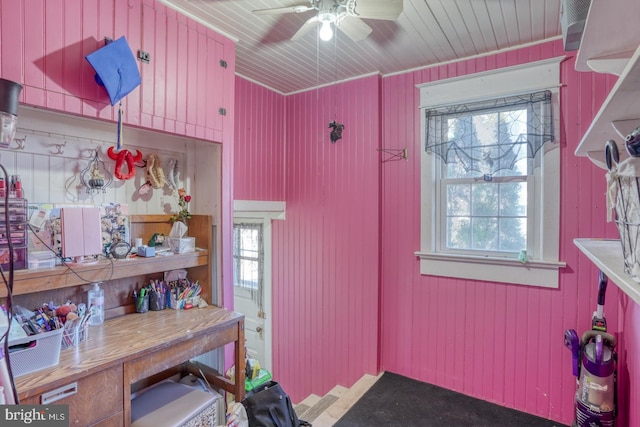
120 142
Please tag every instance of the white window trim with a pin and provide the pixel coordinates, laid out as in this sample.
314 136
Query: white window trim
542 267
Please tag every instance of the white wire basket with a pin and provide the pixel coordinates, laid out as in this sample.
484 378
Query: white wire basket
623 195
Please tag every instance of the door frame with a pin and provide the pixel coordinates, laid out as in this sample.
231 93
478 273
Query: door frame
263 212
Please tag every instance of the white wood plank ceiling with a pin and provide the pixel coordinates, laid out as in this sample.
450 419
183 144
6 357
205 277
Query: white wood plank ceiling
427 32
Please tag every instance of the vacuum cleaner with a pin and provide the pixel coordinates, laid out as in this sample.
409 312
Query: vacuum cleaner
594 366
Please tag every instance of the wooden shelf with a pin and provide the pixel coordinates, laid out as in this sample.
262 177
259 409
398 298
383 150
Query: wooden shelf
618 116
611 35
28 281
607 256
144 226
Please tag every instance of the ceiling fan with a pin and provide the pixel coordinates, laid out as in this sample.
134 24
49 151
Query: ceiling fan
344 14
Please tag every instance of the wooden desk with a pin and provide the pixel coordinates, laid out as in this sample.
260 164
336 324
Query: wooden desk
130 348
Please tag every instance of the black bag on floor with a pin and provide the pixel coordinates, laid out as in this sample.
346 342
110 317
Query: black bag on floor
269 406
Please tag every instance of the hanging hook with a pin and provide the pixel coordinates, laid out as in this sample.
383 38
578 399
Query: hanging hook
20 143
60 148
394 154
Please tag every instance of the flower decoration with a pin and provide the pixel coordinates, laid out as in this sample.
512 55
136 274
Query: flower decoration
183 201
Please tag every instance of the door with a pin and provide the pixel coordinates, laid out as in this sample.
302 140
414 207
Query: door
251 284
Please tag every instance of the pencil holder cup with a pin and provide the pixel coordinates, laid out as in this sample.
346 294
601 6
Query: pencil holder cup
142 303
157 301
73 336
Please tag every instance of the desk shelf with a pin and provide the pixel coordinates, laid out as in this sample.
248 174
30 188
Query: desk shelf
607 256
46 279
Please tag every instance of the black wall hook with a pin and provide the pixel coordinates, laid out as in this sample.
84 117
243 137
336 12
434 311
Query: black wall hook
336 132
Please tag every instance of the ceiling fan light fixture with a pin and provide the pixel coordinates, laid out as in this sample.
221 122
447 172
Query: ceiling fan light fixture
326 33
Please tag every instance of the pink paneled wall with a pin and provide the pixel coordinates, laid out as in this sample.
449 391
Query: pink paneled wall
325 267
325 254
502 343
43 45
498 342
259 158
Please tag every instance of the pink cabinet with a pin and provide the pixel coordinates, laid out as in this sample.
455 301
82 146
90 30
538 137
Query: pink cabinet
184 87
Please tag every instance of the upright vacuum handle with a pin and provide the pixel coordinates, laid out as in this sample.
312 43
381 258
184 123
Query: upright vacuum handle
598 321
572 342
602 287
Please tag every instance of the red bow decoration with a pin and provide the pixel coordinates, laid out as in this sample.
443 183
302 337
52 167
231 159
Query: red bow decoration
124 156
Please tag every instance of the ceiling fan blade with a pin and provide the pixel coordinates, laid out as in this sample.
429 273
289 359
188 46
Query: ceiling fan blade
299 8
306 27
354 28
388 10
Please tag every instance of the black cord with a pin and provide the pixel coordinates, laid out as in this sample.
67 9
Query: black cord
67 265
9 286
9 283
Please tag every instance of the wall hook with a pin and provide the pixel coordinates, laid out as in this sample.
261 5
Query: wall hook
20 143
393 154
60 148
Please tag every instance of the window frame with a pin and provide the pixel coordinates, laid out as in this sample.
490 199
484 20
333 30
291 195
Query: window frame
541 267
259 259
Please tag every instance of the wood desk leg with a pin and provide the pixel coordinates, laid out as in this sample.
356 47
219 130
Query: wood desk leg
126 381
240 362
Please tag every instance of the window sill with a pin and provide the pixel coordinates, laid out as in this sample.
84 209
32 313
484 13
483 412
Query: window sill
492 269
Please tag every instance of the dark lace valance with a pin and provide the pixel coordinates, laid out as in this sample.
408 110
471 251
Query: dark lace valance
489 136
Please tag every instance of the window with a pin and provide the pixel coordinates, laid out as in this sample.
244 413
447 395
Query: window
248 256
490 179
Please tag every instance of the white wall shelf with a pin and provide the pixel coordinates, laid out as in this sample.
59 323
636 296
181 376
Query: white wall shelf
607 256
618 116
611 35
610 44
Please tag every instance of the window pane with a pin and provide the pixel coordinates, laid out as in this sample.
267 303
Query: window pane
513 234
484 200
248 242
247 256
248 277
458 233
513 199
487 216
492 144
458 200
485 234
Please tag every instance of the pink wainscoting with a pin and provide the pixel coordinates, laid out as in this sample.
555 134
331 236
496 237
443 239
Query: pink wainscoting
498 342
259 155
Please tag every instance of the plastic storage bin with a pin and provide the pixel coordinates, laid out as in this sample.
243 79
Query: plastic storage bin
40 351
17 231
182 245
41 259
176 404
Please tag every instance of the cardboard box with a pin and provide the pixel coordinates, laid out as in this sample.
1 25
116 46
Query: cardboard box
146 251
182 245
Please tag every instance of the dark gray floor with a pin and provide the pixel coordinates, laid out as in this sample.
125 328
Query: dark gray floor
395 400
